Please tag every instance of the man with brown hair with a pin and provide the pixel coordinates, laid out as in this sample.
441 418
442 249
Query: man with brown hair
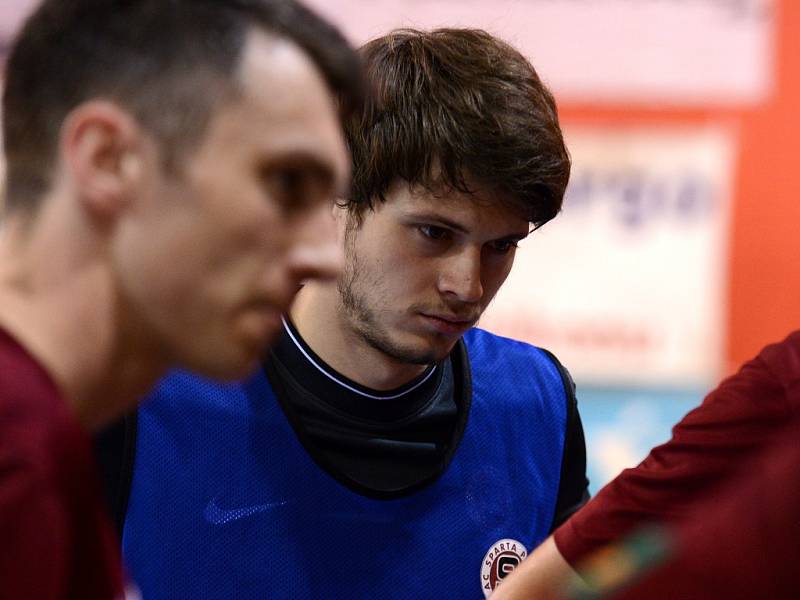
170 172
388 448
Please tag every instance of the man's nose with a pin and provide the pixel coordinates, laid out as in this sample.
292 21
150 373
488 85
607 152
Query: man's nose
461 276
317 253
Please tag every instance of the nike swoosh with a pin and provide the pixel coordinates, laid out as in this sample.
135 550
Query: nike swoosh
216 515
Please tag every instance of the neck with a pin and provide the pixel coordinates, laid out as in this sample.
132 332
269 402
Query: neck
319 317
59 301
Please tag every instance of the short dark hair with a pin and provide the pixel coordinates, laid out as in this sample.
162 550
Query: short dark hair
169 62
451 107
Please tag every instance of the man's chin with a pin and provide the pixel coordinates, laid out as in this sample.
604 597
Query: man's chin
425 354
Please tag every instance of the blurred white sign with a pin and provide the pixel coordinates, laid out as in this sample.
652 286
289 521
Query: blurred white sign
627 285
679 52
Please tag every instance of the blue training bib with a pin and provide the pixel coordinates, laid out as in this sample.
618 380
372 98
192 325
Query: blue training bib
226 503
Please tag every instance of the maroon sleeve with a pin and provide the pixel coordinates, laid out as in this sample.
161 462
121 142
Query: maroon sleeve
57 540
31 526
741 542
708 446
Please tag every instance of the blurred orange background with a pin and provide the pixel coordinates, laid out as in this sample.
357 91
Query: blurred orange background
764 262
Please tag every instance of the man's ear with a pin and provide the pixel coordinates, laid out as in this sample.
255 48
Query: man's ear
101 146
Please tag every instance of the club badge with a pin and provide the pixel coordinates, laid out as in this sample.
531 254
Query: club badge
502 558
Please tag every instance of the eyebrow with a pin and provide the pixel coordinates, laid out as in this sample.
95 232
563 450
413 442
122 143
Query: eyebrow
440 220
316 166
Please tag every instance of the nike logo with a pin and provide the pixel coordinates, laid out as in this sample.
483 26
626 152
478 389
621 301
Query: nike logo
216 515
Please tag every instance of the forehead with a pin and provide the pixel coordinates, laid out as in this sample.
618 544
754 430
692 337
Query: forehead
282 106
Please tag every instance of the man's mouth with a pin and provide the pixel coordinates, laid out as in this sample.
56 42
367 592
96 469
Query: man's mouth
448 324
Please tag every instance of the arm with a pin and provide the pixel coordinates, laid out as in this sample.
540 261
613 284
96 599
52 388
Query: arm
542 576
707 447
740 542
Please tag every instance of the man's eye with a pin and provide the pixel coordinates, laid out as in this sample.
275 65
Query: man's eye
503 246
433 232
289 183
293 189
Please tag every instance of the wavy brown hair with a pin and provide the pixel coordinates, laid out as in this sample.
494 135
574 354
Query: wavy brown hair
452 108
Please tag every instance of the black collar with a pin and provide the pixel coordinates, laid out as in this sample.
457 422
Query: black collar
345 395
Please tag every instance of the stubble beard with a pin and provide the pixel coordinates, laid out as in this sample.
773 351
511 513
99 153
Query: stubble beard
366 323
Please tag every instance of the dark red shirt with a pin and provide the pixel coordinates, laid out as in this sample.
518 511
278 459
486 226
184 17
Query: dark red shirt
57 540
742 542
734 423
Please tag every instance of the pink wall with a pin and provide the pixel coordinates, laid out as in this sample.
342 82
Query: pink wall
764 266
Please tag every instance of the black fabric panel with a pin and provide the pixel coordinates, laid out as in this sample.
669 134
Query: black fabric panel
374 457
573 488
115 451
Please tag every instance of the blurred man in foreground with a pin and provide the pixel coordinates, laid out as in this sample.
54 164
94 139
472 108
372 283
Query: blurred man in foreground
170 173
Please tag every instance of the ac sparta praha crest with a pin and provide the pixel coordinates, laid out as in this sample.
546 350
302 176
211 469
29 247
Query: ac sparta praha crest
502 558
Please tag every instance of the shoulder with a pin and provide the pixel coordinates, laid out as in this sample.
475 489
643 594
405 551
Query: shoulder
186 383
782 360
482 340
183 392
495 356
763 389
485 346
